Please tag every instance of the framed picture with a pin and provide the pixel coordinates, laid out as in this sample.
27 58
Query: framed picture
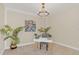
30 26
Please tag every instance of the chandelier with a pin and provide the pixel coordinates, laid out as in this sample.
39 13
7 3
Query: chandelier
43 11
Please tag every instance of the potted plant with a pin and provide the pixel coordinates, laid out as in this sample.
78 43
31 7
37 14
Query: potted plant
44 31
11 33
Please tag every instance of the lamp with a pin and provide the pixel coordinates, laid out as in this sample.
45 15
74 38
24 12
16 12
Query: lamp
43 11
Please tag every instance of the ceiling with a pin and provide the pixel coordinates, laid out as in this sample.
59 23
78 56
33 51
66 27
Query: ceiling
52 8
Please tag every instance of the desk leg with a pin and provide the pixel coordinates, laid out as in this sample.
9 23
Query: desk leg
35 45
47 46
50 46
40 45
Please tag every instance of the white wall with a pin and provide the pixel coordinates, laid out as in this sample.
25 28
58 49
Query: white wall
15 19
1 24
64 23
65 26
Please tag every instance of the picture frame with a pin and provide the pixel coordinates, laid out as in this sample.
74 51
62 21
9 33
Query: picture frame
30 26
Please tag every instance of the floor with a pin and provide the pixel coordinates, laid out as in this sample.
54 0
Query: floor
29 50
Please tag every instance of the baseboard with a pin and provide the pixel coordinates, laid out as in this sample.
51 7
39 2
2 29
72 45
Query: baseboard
20 45
68 46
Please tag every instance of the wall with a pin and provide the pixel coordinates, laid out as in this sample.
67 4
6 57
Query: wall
15 19
65 26
64 23
1 24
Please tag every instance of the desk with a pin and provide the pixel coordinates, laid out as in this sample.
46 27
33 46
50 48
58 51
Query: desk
42 40
47 41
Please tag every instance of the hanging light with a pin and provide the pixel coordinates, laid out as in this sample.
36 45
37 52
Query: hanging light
43 11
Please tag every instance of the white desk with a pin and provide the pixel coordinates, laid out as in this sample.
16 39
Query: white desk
43 40
47 40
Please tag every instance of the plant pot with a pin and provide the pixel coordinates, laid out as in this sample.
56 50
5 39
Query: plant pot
13 45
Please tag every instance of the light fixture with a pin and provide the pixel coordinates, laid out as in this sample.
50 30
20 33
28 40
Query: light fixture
43 11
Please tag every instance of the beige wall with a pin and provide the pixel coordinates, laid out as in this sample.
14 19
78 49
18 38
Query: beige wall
65 26
15 19
1 24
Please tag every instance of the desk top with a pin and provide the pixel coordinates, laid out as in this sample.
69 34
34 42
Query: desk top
42 40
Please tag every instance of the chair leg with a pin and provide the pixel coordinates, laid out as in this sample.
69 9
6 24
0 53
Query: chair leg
46 46
40 45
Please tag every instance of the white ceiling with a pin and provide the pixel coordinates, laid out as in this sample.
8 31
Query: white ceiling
34 7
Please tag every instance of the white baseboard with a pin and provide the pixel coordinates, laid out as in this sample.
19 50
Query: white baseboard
68 46
20 45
